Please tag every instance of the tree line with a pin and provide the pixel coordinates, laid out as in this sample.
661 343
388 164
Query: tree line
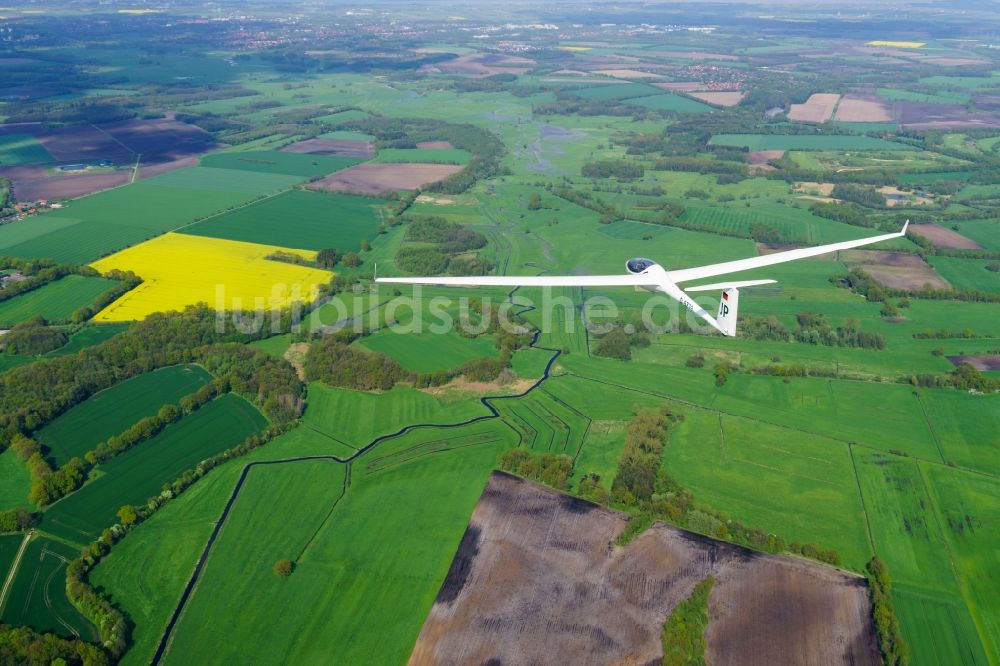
268 382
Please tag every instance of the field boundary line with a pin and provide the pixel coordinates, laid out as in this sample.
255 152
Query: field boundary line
930 426
15 565
233 209
971 606
861 494
329 514
199 567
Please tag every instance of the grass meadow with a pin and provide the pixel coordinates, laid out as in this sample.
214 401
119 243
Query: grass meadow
88 336
114 410
616 91
14 482
54 301
374 415
427 352
424 155
967 273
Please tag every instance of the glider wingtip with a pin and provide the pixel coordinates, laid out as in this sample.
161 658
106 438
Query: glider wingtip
905 225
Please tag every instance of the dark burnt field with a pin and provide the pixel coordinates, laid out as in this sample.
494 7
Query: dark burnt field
537 579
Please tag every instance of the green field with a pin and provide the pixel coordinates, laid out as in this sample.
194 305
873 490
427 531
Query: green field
14 482
276 345
116 409
938 627
426 155
791 222
426 351
88 336
347 135
22 149
9 545
784 481
342 116
969 505
351 583
373 415
279 510
273 161
806 142
967 273
38 596
97 225
188 520
942 97
616 91
55 301
668 102
140 472
984 232
299 219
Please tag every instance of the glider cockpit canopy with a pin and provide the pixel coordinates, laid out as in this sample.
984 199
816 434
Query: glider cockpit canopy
638 265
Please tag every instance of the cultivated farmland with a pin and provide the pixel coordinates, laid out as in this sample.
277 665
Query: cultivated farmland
38 595
55 301
114 410
299 219
97 225
140 472
380 178
817 109
942 237
559 563
855 109
181 270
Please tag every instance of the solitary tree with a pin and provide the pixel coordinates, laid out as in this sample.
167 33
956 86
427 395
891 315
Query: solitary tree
127 515
327 257
283 568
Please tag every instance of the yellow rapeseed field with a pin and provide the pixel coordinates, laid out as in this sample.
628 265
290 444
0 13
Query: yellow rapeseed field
180 270
897 45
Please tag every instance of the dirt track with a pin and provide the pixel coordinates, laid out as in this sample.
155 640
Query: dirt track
538 580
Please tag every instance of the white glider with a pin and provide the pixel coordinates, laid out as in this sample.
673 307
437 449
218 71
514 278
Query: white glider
650 275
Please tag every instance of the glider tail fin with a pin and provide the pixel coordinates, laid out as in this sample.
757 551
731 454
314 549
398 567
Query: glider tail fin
728 305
